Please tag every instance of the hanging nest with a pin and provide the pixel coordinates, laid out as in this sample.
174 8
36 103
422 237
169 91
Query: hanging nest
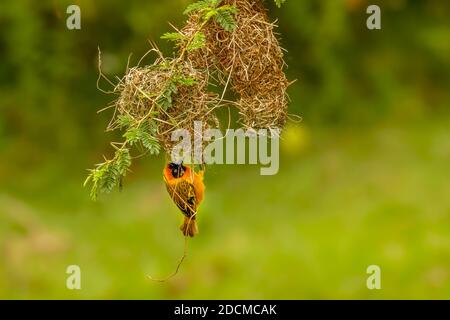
250 60
230 44
168 97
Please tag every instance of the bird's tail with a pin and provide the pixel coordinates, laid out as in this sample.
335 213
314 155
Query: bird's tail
189 227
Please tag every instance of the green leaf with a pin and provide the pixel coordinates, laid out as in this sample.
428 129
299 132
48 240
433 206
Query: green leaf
198 41
165 100
122 161
132 135
150 143
106 176
202 5
211 13
279 3
229 8
173 36
124 121
210 9
147 137
225 19
186 81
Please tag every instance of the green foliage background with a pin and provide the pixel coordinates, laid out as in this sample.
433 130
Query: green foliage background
364 179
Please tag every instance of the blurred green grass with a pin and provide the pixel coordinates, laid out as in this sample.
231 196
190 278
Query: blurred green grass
348 198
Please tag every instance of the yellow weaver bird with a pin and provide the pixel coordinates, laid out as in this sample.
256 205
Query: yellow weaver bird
186 188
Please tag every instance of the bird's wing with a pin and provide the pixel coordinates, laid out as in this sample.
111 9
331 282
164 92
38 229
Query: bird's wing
183 194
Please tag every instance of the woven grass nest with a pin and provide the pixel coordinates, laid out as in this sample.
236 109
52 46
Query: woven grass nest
168 95
248 60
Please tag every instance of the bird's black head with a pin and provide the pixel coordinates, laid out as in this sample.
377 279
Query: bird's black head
177 169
